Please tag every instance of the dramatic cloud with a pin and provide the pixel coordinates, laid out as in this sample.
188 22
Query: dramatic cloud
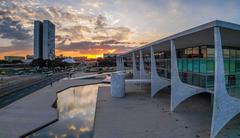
100 22
72 26
97 48
11 29
17 45
93 46
98 26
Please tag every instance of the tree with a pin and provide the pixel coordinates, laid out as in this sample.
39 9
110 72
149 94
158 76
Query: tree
4 62
16 61
109 62
38 63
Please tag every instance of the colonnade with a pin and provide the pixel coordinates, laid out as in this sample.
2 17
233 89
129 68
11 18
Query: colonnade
225 107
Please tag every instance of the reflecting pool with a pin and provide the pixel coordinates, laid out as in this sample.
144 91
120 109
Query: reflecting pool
76 107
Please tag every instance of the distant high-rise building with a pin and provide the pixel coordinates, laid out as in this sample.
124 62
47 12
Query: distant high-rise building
38 37
48 40
44 40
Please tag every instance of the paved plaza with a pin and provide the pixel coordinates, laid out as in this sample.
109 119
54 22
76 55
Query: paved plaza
138 115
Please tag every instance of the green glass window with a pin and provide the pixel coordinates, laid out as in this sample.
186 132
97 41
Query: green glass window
237 65
202 81
203 65
226 53
232 65
210 65
179 65
196 65
210 82
190 65
196 79
238 80
237 53
210 52
184 65
226 65
232 53
237 86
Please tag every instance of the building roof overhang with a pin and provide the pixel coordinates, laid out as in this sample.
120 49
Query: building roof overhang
200 35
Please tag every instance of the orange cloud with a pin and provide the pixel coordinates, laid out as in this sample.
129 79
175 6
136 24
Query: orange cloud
77 33
14 53
94 53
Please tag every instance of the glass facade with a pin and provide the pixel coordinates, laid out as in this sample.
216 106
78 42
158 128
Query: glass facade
137 58
163 63
147 62
128 63
196 67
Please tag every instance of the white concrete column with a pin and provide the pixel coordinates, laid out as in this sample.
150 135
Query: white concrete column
157 82
179 91
143 74
118 84
225 107
136 73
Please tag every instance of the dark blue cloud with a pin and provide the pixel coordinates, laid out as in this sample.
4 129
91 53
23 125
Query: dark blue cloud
12 29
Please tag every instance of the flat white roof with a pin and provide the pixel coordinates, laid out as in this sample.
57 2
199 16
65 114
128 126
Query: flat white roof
216 23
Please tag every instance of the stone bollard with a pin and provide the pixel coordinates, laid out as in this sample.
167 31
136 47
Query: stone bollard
118 85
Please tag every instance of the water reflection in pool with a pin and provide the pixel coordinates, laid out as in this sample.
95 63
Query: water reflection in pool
76 108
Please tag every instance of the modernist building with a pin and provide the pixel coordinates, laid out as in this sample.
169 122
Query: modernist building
38 33
13 58
44 40
109 55
202 59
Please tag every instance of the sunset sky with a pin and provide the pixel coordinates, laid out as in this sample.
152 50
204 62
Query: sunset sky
93 27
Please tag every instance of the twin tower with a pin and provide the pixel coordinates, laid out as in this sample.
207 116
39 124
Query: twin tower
44 40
